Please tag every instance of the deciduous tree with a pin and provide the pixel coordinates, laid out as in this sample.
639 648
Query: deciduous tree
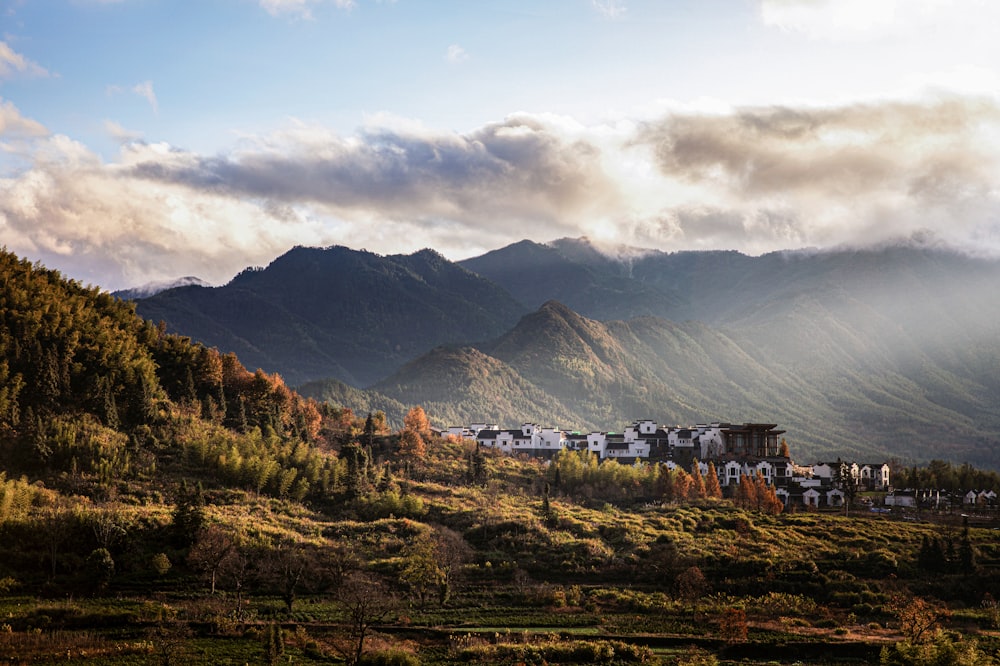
411 446
208 554
712 487
416 420
697 489
365 602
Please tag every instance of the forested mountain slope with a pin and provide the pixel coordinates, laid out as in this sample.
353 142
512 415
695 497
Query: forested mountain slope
891 351
334 312
560 369
93 398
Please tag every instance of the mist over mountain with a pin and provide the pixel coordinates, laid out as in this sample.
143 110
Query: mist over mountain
153 288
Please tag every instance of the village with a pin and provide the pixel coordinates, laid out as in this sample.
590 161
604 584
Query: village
749 449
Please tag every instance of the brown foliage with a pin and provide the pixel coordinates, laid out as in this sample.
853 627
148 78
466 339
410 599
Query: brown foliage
412 446
417 421
733 625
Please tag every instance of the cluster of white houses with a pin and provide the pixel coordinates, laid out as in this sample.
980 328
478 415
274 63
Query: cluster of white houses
734 450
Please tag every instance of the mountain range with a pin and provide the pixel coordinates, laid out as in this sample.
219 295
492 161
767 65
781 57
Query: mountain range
874 353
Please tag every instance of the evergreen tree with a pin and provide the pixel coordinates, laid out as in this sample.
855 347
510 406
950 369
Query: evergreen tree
369 430
188 515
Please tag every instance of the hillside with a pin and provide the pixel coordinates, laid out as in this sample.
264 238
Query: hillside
560 369
891 352
95 399
335 312
159 502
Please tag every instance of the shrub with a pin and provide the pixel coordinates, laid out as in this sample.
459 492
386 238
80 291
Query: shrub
389 658
161 564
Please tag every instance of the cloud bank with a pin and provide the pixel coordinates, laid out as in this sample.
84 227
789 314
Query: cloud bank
752 179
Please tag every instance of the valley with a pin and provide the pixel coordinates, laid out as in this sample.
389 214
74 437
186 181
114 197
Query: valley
162 503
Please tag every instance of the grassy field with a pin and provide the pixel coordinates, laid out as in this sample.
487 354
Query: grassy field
486 573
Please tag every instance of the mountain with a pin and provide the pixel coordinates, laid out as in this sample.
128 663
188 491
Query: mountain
338 313
561 369
455 383
890 351
586 281
153 288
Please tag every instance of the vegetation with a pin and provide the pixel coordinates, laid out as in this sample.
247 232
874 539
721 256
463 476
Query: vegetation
161 503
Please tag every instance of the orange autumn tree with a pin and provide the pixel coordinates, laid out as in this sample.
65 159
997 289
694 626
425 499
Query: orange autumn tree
697 490
416 426
417 421
712 487
746 493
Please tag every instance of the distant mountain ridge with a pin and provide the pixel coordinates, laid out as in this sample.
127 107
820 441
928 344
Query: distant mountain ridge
891 351
336 312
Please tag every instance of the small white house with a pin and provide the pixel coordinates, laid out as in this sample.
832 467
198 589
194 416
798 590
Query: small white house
811 497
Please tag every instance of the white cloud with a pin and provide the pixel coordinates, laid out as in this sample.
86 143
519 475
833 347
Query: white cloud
753 179
13 63
145 90
301 8
119 133
852 20
13 124
611 9
456 54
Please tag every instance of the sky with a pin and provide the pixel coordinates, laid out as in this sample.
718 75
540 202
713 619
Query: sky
146 140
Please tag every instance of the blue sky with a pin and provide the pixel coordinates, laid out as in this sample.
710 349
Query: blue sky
149 139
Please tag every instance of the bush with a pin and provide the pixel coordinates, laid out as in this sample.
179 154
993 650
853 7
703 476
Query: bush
161 564
389 658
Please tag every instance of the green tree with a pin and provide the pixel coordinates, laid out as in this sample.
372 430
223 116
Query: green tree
100 568
274 643
421 573
188 516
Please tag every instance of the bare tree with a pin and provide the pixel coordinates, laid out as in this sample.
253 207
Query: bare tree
238 571
364 603
212 547
290 567
452 552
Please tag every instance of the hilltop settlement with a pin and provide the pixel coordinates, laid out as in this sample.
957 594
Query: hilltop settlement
734 451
